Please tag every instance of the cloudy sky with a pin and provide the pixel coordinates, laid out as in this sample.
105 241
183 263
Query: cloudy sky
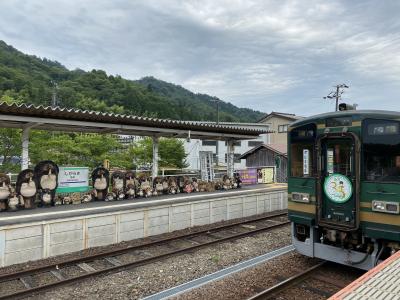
266 55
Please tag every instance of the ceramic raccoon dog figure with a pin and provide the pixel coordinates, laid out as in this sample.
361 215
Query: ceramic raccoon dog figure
118 186
131 185
172 186
187 185
237 180
195 185
165 185
5 191
158 187
46 175
100 181
145 189
26 188
226 183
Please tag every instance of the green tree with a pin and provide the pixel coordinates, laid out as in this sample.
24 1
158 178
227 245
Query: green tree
96 105
10 140
10 146
171 153
75 149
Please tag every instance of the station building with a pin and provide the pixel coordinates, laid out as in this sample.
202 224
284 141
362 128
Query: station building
34 234
276 123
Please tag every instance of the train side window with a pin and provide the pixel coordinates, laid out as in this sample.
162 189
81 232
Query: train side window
381 150
382 162
302 159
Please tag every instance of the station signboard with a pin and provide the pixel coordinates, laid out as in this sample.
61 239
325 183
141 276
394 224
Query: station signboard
306 162
268 175
73 179
248 176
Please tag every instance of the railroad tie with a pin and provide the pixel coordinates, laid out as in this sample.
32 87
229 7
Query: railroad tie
191 241
273 221
214 235
113 261
248 226
58 274
336 282
27 281
86 267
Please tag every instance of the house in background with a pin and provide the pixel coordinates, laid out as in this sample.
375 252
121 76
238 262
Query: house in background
273 154
278 123
268 156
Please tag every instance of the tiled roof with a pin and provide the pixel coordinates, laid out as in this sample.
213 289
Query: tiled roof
288 116
29 110
279 149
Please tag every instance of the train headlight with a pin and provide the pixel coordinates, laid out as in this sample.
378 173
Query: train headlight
378 206
301 197
385 207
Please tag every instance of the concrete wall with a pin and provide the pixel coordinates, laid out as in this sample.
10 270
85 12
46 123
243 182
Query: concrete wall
36 240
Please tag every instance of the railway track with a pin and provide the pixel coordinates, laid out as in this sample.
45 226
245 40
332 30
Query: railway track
58 274
317 281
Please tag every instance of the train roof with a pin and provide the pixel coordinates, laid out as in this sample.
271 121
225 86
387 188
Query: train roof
356 114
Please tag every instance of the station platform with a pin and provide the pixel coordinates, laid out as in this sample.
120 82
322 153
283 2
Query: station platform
381 282
43 232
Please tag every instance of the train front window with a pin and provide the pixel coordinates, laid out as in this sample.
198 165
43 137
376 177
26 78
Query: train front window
302 141
339 156
381 150
382 162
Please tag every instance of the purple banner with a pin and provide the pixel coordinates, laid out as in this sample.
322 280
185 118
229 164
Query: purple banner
248 176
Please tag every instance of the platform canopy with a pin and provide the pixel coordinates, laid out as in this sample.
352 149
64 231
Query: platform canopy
76 120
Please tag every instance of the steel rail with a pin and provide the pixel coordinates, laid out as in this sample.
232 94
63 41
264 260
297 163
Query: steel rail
90 257
269 293
30 291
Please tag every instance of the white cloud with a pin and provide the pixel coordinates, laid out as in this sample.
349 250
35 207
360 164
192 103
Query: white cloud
267 55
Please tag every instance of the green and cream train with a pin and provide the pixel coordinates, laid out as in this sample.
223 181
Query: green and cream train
344 186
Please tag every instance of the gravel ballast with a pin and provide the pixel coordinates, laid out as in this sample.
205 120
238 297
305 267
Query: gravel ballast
149 279
244 284
252 281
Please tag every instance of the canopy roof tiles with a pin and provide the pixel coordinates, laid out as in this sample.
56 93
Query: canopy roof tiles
76 120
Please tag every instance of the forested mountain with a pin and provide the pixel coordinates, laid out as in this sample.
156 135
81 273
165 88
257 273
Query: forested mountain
191 104
30 79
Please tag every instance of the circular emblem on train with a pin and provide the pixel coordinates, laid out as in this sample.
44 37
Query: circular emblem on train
338 188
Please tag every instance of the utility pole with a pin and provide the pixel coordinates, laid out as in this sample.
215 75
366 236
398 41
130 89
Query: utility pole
54 94
337 94
216 100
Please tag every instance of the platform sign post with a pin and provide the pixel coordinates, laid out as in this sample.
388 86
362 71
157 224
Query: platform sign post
206 166
73 180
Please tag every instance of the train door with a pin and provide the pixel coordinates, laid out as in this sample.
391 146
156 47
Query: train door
338 175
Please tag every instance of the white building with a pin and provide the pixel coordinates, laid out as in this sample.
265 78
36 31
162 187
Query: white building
219 148
276 123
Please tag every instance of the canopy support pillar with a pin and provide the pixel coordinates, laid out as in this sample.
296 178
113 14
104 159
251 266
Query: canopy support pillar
230 158
154 170
25 148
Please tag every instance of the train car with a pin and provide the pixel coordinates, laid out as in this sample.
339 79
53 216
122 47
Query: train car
344 186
